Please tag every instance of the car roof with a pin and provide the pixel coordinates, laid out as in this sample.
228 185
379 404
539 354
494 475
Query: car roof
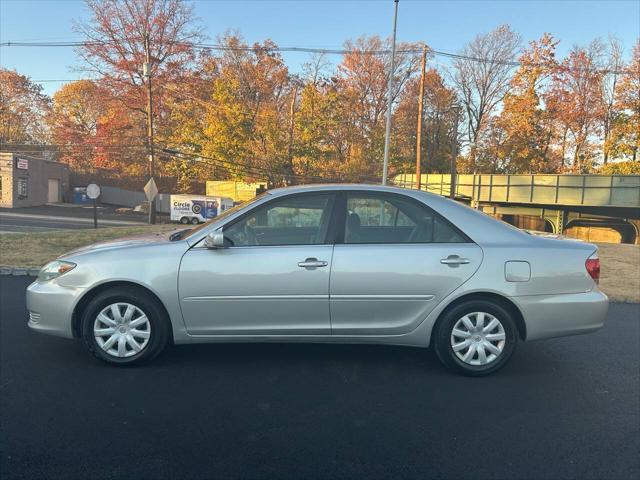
342 187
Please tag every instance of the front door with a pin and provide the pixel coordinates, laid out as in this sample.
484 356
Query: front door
53 193
273 279
399 260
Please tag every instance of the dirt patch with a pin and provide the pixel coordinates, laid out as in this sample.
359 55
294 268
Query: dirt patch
620 271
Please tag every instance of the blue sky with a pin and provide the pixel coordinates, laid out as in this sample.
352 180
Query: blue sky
444 25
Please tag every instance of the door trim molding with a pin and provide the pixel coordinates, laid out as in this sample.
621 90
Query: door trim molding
309 297
256 297
381 297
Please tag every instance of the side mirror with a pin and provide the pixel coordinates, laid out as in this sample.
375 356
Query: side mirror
214 240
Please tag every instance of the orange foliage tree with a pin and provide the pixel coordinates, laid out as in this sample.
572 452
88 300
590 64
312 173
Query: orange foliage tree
23 107
527 134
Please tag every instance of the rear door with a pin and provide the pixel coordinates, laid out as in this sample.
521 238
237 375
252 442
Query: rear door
394 262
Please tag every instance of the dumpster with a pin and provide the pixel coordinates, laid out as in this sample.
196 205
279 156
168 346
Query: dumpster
80 196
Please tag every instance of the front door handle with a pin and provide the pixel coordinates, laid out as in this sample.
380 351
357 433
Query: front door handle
454 261
312 263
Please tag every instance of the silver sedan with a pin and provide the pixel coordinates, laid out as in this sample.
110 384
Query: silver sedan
330 263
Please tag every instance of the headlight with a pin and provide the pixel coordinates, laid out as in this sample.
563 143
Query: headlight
55 269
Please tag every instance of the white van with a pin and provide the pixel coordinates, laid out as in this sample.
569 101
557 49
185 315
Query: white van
197 208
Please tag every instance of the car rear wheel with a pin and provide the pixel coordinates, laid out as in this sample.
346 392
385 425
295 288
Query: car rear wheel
124 326
184 220
194 221
475 338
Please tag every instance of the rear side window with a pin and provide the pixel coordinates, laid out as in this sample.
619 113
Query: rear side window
382 218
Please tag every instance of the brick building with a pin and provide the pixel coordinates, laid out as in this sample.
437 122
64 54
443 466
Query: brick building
27 181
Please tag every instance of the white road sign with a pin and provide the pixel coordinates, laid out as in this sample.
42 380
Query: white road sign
151 190
93 191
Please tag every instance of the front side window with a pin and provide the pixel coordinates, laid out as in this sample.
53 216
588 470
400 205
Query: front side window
295 220
380 218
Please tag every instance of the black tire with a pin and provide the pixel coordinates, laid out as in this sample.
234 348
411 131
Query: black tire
444 328
194 221
184 220
160 332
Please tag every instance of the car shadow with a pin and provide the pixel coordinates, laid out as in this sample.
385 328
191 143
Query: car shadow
422 361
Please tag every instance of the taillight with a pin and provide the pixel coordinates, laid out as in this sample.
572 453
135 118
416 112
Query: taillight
593 267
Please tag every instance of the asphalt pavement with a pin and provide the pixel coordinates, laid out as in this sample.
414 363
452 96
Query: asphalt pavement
65 217
562 408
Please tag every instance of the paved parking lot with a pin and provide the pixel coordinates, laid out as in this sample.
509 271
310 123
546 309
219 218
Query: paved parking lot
564 408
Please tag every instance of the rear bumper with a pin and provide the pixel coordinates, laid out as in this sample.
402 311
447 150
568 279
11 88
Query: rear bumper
51 306
548 316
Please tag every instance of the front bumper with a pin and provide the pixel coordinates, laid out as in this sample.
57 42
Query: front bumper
51 307
548 316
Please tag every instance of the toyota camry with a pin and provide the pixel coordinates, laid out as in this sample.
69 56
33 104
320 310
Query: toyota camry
328 263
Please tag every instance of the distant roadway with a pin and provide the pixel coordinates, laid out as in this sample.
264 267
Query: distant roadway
62 217
21 223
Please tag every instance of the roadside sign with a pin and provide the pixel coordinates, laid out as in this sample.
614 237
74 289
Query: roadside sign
22 163
151 189
93 191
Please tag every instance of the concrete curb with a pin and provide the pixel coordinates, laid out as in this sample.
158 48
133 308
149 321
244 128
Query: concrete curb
19 271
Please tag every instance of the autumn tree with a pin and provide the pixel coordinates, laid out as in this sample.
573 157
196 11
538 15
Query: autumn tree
23 108
481 76
183 126
314 151
625 138
439 118
525 143
78 108
575 100
245 119
362 81
117 36
611 115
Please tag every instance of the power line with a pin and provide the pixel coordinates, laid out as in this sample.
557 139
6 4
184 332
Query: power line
193 157
326 51
253 169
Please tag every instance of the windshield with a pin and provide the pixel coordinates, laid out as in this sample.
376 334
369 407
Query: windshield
183 234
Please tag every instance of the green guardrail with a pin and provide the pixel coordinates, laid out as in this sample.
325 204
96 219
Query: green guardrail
579 190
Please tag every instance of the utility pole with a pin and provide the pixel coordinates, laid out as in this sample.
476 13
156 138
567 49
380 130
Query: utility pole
454 153
387 135
147 74
419 131
292 112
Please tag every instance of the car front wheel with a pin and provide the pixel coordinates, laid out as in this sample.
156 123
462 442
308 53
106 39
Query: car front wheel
122 326
475 338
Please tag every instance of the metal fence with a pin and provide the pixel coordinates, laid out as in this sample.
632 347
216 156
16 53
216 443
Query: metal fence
129 198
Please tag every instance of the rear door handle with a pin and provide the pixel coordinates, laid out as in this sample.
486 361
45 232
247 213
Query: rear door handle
312 263
454 261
